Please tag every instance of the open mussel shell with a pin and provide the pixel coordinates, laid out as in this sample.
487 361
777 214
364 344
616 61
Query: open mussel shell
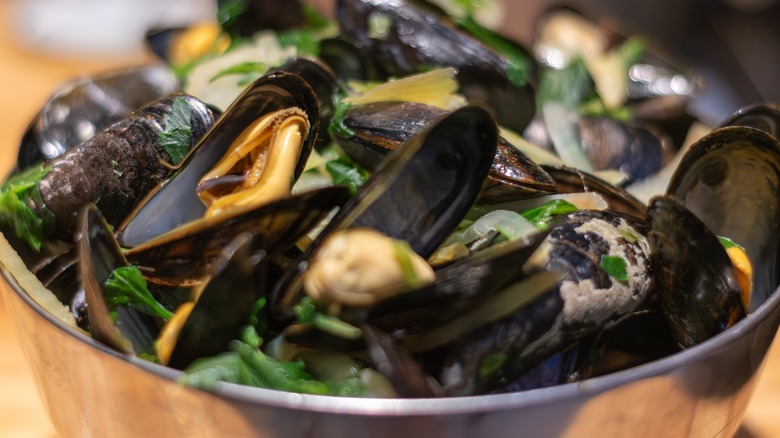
418 34
224 304
730 180
379 128
175 201
119 165
763 116
420 193
697 284
99 255
436 174
185 255
81 108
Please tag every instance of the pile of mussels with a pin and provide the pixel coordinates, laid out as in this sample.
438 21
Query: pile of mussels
438 259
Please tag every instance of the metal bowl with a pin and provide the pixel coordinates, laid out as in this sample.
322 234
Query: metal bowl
90 390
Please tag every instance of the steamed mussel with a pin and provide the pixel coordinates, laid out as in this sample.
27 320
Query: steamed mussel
447 258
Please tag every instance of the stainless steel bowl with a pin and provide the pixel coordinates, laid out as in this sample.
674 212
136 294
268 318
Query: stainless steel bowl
90 390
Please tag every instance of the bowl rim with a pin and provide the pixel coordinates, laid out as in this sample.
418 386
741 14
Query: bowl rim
426 406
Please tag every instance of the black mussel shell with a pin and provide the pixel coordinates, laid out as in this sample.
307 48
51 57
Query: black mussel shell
175 201
421 34
99 255
225 302
697 284
405 373
118 166
83 107
379 128
420 193
183 256
730 179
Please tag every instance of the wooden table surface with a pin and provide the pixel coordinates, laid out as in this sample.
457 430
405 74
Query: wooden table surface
26 80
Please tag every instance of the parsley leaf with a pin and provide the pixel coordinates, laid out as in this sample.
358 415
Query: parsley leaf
540 216
344 172
127 287
23 210
177 135
615 267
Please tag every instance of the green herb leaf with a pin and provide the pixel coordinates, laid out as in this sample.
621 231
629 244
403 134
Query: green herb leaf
127 287
206 373
615 267
176 136
266 371
728 243
335 326
541 216
403 253
23 210
229 11
344 172
340 110
304 311
491 364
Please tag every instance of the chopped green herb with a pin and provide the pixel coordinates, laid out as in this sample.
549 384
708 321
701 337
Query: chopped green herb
540 216
403 253
728 243
150 358
335 326
229 11
205 373
127 287
23 210
615 267
344 172
176 136
246 364
304 311
491 364
340 111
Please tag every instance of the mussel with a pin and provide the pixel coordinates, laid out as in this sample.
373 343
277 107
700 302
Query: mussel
730 180
419 193
403 37
85 106
275 98
379 128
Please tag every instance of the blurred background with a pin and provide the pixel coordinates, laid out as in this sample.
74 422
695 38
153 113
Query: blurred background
733 45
